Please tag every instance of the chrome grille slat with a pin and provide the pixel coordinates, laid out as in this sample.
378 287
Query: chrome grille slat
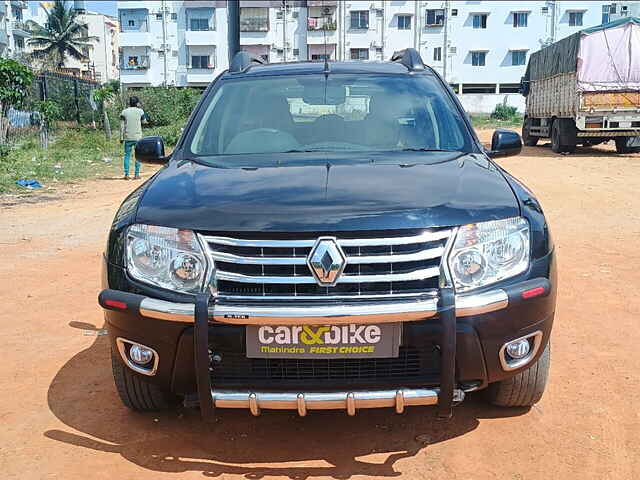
389 265
344 242
391 277
355 259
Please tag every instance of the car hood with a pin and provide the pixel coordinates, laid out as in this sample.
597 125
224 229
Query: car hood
321 193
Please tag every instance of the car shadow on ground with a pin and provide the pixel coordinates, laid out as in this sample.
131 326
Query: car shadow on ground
82 396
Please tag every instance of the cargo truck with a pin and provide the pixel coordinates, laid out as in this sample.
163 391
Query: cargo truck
585 89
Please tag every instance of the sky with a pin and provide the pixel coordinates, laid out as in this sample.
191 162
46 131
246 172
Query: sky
107 7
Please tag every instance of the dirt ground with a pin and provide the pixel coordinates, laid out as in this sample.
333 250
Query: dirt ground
61 418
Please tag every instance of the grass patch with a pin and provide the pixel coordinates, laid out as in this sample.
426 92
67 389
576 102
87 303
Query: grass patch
487 121
73 154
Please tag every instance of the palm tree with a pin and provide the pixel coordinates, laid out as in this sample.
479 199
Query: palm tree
61 36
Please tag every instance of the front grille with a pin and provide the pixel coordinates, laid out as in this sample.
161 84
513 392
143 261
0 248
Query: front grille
392 263
413 366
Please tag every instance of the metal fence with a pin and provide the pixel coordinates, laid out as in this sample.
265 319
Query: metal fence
74 96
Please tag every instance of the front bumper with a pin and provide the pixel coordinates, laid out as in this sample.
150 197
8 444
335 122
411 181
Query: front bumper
378 312
470 331
344 400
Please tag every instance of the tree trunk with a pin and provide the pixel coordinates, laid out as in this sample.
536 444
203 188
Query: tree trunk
44 134
106 124
4 130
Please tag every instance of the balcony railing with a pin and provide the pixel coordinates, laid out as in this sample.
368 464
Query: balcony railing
321 23
255 24
21 26
140 27
140 65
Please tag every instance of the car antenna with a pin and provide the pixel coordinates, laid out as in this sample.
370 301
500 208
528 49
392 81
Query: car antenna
324 39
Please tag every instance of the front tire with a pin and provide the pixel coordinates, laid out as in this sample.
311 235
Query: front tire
526 388
622 145
557 134
527 138
135 393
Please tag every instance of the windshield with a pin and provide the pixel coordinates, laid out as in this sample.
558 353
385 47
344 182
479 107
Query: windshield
336 113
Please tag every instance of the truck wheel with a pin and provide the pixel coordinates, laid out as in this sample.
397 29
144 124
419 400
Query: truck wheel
526 388
622 145
135 393
527 138
556 138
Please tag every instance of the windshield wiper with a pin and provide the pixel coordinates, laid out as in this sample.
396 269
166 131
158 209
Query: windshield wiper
413 149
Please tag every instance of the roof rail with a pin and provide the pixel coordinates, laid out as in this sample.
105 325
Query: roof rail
242 61
410 58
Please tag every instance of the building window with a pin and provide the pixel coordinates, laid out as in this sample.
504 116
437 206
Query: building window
509 88
296 52
544 10
359 54
200 61
478 59
434 17
321 18
319 57
174 16
520 19
575 19
478 88
198 24
131 23
360 19
613 8
19 42
480 20
624 10
158 16
454 12
279 15
518 57
437 54
254 19
404 22
605 13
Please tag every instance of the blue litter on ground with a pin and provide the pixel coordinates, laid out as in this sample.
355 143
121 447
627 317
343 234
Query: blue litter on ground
29 183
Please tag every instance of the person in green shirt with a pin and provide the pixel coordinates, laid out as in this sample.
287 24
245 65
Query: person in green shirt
131 120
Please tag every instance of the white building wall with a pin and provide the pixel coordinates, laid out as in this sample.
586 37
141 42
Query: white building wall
546 21
103 53
4 25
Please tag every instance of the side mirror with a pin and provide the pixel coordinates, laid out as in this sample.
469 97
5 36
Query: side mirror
151 150
505 143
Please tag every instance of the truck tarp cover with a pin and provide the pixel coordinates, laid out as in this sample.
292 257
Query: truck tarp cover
605 58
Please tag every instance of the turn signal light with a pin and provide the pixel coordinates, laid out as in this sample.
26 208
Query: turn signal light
534 292
116 304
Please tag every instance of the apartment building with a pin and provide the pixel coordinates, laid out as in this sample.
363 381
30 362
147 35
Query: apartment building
480 47
101 55
13 30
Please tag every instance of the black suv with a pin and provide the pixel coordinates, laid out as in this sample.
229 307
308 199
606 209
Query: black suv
329 235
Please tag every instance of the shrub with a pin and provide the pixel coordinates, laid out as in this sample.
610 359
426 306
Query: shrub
169 133
504 112
166 105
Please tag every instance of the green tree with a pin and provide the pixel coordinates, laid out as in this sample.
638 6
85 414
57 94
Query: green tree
15 80
61 36
103 96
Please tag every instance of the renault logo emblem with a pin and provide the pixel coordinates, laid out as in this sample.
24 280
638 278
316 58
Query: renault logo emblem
326 261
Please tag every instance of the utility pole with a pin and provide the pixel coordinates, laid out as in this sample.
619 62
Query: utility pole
233 32
445 49
284 30
164 41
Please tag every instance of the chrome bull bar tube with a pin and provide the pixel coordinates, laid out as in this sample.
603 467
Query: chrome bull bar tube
302 402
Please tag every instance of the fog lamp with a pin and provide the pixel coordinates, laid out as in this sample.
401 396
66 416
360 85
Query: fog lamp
140 355
518 348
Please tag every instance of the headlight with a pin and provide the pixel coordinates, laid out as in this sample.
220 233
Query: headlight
166 257
487 252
